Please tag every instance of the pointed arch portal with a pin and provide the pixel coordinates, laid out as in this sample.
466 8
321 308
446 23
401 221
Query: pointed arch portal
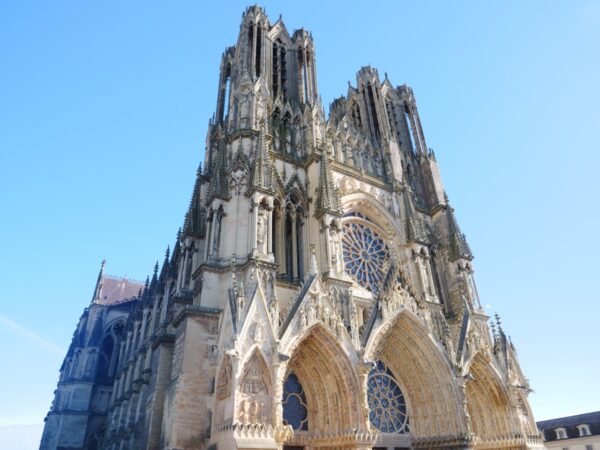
424 376
321 382
487 404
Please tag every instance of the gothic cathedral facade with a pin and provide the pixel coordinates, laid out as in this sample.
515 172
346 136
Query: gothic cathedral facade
320 294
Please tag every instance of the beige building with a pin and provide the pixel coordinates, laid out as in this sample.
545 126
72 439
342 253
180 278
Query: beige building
580 432
320 294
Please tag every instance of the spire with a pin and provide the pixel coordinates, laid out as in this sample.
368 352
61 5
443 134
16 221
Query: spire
499 323
457 242
493 329
328 200
98 289
415 227
193 221
175 253
165 267
502 343
263 172
154 277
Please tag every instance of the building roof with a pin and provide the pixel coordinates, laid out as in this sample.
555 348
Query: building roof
570 423
113 290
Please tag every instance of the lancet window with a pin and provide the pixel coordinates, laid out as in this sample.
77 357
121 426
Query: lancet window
356 115
294 229
371 101
366 255
277 237
387 405
295 410
410 127
302 64
254 48
257 51
224 94
108 357
279 70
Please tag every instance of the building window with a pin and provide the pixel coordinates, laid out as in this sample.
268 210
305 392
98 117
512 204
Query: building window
295 411
366 255
561 433
386 402
584 430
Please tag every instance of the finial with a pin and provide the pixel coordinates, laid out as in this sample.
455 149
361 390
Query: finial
98 289
167 253
155 269
498 322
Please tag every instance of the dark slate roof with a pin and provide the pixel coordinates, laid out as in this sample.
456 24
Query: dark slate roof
570 424
118 289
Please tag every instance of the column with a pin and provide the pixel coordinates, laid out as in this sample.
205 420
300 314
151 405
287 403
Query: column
294 238
210 235
326 243
254 227
270 230
183 269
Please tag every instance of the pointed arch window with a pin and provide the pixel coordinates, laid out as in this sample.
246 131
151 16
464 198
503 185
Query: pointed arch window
387 405
225 94
258 50
294 229
295 410
410 127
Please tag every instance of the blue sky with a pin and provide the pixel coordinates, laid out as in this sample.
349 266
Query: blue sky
103 115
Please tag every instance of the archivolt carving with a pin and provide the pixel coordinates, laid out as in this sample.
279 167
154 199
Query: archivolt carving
487 403
424 374
332 387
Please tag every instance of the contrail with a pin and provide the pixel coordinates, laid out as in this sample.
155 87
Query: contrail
23 332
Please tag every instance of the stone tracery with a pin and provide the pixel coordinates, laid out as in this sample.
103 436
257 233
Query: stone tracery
386 401
366 255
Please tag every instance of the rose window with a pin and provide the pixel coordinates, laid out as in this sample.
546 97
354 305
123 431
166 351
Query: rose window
365 254
387 407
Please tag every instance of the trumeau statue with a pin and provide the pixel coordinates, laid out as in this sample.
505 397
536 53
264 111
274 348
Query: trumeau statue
320 294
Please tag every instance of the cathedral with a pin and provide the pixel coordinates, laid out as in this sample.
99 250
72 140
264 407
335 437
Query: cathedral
319 296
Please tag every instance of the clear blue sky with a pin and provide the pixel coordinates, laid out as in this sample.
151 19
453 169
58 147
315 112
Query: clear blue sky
103 114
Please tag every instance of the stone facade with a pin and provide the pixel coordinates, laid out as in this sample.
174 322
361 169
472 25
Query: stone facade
320 294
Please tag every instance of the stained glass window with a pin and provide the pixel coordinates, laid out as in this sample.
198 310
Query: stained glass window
295 412
366 255
387 407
